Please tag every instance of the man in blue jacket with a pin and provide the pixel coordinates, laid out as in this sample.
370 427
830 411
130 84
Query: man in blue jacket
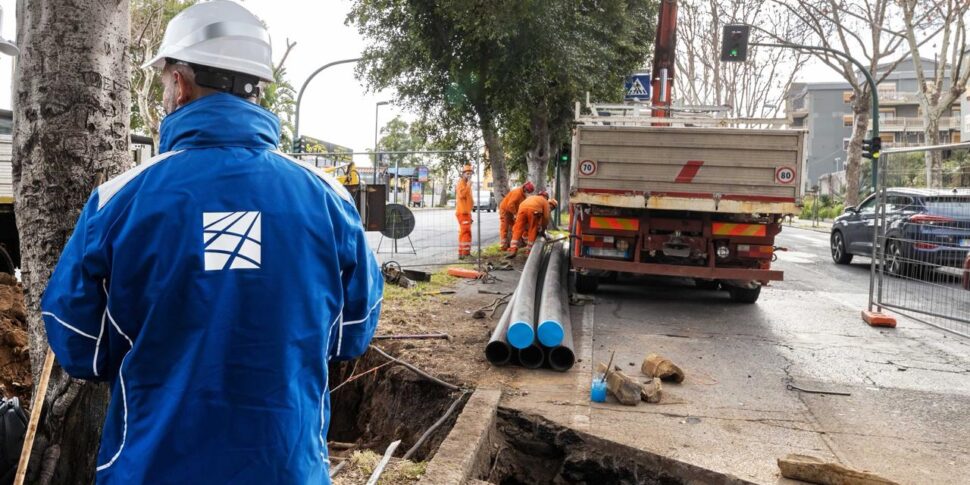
212 285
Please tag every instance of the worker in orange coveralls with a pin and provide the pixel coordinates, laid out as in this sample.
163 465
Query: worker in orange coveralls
532 218
508 209
463 211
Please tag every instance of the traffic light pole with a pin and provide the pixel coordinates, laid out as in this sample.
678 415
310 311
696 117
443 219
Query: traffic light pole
872 89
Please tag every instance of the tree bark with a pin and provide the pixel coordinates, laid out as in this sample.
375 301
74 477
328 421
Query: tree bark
71 120
496 156
933 158
537 158
853 163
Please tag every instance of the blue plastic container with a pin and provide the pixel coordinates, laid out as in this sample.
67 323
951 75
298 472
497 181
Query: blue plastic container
597 392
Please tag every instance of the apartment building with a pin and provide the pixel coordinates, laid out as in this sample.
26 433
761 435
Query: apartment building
825 111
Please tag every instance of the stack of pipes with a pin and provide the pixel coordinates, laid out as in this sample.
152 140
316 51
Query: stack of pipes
535 329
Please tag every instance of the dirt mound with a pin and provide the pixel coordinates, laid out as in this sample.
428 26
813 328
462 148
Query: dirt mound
15 377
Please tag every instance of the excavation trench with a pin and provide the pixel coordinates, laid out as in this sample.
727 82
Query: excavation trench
528 449
388 404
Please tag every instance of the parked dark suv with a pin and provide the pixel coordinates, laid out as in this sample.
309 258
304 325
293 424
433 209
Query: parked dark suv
923 227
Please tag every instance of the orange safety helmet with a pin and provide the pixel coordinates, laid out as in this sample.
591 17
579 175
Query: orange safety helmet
528 187
553 203
543 193
467 168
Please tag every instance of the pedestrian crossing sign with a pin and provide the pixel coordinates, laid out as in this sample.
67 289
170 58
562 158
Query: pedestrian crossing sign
637 87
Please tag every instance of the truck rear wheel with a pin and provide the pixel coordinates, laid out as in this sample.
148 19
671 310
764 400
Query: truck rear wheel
587 283
744 295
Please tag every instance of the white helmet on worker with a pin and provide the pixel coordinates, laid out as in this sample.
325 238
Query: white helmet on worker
219 34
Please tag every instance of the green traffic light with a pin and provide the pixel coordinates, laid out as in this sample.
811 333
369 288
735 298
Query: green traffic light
734 53
565 158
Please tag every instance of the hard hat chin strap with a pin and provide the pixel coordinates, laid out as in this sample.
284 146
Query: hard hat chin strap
230 82
242 85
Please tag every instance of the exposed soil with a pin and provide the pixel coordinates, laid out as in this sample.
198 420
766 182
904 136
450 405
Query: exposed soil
374 402
15 377
534 450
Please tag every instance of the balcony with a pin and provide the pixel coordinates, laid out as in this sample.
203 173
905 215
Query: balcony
915 124
892 98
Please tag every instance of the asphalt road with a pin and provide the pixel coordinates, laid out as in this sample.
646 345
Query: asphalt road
739 410
435 238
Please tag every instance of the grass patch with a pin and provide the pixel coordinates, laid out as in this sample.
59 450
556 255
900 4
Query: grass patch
493 251
440 280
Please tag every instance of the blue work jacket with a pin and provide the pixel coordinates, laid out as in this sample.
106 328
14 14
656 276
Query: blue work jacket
210 286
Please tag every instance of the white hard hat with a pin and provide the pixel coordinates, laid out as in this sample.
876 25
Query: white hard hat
219 34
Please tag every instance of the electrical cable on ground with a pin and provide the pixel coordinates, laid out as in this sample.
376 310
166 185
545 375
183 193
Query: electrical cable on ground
416 370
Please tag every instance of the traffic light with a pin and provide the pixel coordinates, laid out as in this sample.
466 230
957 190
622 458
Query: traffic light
734 43
871 147
564 155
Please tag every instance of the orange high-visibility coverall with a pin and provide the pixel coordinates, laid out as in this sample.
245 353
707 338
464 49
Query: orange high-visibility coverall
463 211
533 215
506 213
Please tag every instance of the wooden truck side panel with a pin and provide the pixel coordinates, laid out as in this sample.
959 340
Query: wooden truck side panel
688 168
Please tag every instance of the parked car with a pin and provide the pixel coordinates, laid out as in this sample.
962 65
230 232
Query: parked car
484 200
923 227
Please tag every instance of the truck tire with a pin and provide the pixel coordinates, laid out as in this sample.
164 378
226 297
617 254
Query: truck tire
744 295
587 283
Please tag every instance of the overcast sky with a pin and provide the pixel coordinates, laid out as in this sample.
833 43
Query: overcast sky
335 107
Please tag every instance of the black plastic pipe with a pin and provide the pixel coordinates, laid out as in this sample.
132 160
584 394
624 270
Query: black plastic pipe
549 327
497 350
532 356
521 330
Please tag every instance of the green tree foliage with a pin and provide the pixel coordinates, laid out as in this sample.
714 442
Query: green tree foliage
502 67
148 21
399 136
279 97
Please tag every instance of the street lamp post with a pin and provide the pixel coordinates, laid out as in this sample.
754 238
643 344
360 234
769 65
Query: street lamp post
299 97
376 109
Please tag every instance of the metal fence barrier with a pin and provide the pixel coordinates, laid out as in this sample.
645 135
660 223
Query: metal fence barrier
420 224
921 239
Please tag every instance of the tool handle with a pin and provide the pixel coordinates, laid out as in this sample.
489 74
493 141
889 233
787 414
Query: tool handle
35 409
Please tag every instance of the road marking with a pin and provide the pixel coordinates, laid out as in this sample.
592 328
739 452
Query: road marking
809 239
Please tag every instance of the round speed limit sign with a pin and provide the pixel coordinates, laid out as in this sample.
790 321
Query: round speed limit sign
784 175
587 167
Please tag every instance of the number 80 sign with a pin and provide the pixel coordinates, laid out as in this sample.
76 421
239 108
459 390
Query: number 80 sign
784 175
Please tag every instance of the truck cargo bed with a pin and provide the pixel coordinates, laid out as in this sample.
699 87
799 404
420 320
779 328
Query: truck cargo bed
688 168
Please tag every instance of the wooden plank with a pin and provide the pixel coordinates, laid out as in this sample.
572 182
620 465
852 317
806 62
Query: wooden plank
624 388
658 187
723 138
680 155
813 470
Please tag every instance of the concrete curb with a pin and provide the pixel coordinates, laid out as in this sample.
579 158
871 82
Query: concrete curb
458 456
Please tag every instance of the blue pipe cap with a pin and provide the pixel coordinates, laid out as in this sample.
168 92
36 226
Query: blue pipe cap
550 333
520 335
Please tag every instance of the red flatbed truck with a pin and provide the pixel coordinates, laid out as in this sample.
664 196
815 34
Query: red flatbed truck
680 199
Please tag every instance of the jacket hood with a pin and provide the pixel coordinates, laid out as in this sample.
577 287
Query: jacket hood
219 120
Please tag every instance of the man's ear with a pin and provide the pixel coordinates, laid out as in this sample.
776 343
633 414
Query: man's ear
185 93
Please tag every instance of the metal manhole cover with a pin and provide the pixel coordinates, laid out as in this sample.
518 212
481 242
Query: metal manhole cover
398 221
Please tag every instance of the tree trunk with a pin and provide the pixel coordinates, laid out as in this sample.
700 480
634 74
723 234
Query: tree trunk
853 162
537 158
496 156
71 114
933 158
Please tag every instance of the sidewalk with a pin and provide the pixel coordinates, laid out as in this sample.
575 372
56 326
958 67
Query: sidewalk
819 226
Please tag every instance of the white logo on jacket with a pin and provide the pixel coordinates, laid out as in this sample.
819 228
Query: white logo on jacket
231 240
